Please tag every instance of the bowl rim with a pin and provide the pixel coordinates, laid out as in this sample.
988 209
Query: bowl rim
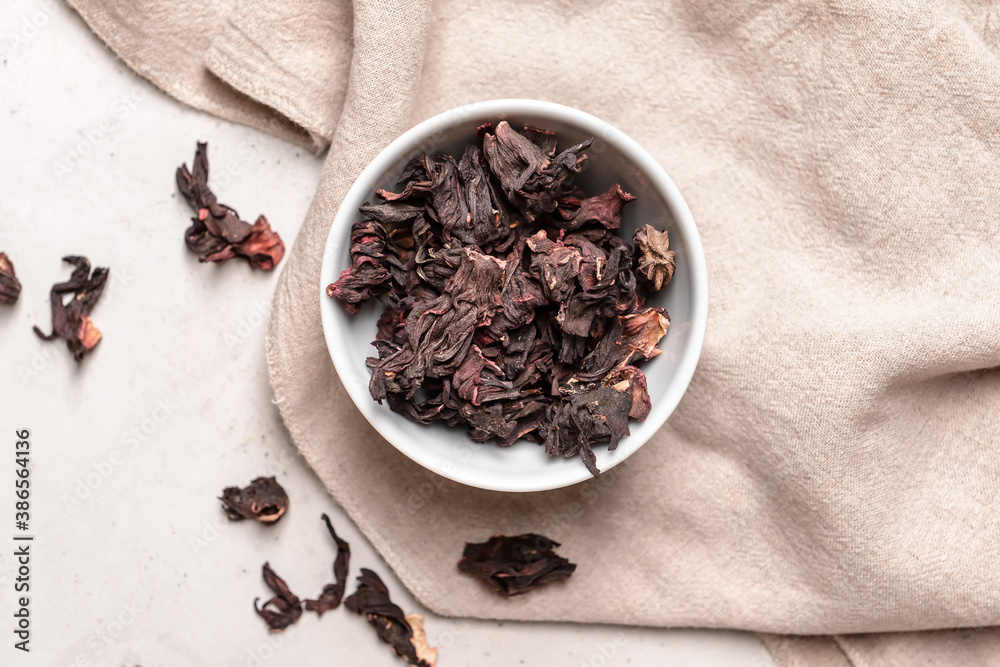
410 140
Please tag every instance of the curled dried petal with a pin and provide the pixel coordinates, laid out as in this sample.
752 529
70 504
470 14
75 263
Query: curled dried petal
263 247
71 321
532 180
368 273
281 610
332 594
604 209
515 565
371 600
642 331
632 381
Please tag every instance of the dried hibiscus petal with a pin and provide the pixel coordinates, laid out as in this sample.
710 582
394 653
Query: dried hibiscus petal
512 305
656 260
532 180
546 140
10 286
332 594
281 610
71 321
517 564
217 233
263 247
642 331
403 632
368 272
604 209
263 500
632 381
597 414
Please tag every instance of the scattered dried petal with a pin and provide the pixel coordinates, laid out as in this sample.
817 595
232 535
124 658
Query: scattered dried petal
285 606
217 233
263 500
515 565
332 594
10 286
71 321
371 600
656 260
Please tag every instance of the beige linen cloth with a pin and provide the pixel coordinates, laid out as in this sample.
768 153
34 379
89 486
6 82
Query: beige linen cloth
833 468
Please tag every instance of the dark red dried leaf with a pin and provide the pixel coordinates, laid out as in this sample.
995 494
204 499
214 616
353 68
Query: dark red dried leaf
217 233
263 500
332 594
281 610
71 321
371 600
10 286
515 565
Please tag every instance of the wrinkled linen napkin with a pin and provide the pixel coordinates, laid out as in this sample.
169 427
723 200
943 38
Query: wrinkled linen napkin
833 468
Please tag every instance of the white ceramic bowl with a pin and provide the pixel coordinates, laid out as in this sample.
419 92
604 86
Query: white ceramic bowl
613 157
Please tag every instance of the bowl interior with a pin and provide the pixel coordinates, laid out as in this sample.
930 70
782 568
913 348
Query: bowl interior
613 158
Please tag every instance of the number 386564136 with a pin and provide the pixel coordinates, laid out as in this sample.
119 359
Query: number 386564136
22 453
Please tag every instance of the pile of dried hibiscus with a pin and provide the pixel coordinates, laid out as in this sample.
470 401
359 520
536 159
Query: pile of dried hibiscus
512 304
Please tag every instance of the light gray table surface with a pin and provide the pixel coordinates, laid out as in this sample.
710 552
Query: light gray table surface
133 562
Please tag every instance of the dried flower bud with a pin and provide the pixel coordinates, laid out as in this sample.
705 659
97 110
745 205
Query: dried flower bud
264 500
656 260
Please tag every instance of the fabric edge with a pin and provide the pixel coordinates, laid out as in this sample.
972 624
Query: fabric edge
267 120
237 75
805 651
